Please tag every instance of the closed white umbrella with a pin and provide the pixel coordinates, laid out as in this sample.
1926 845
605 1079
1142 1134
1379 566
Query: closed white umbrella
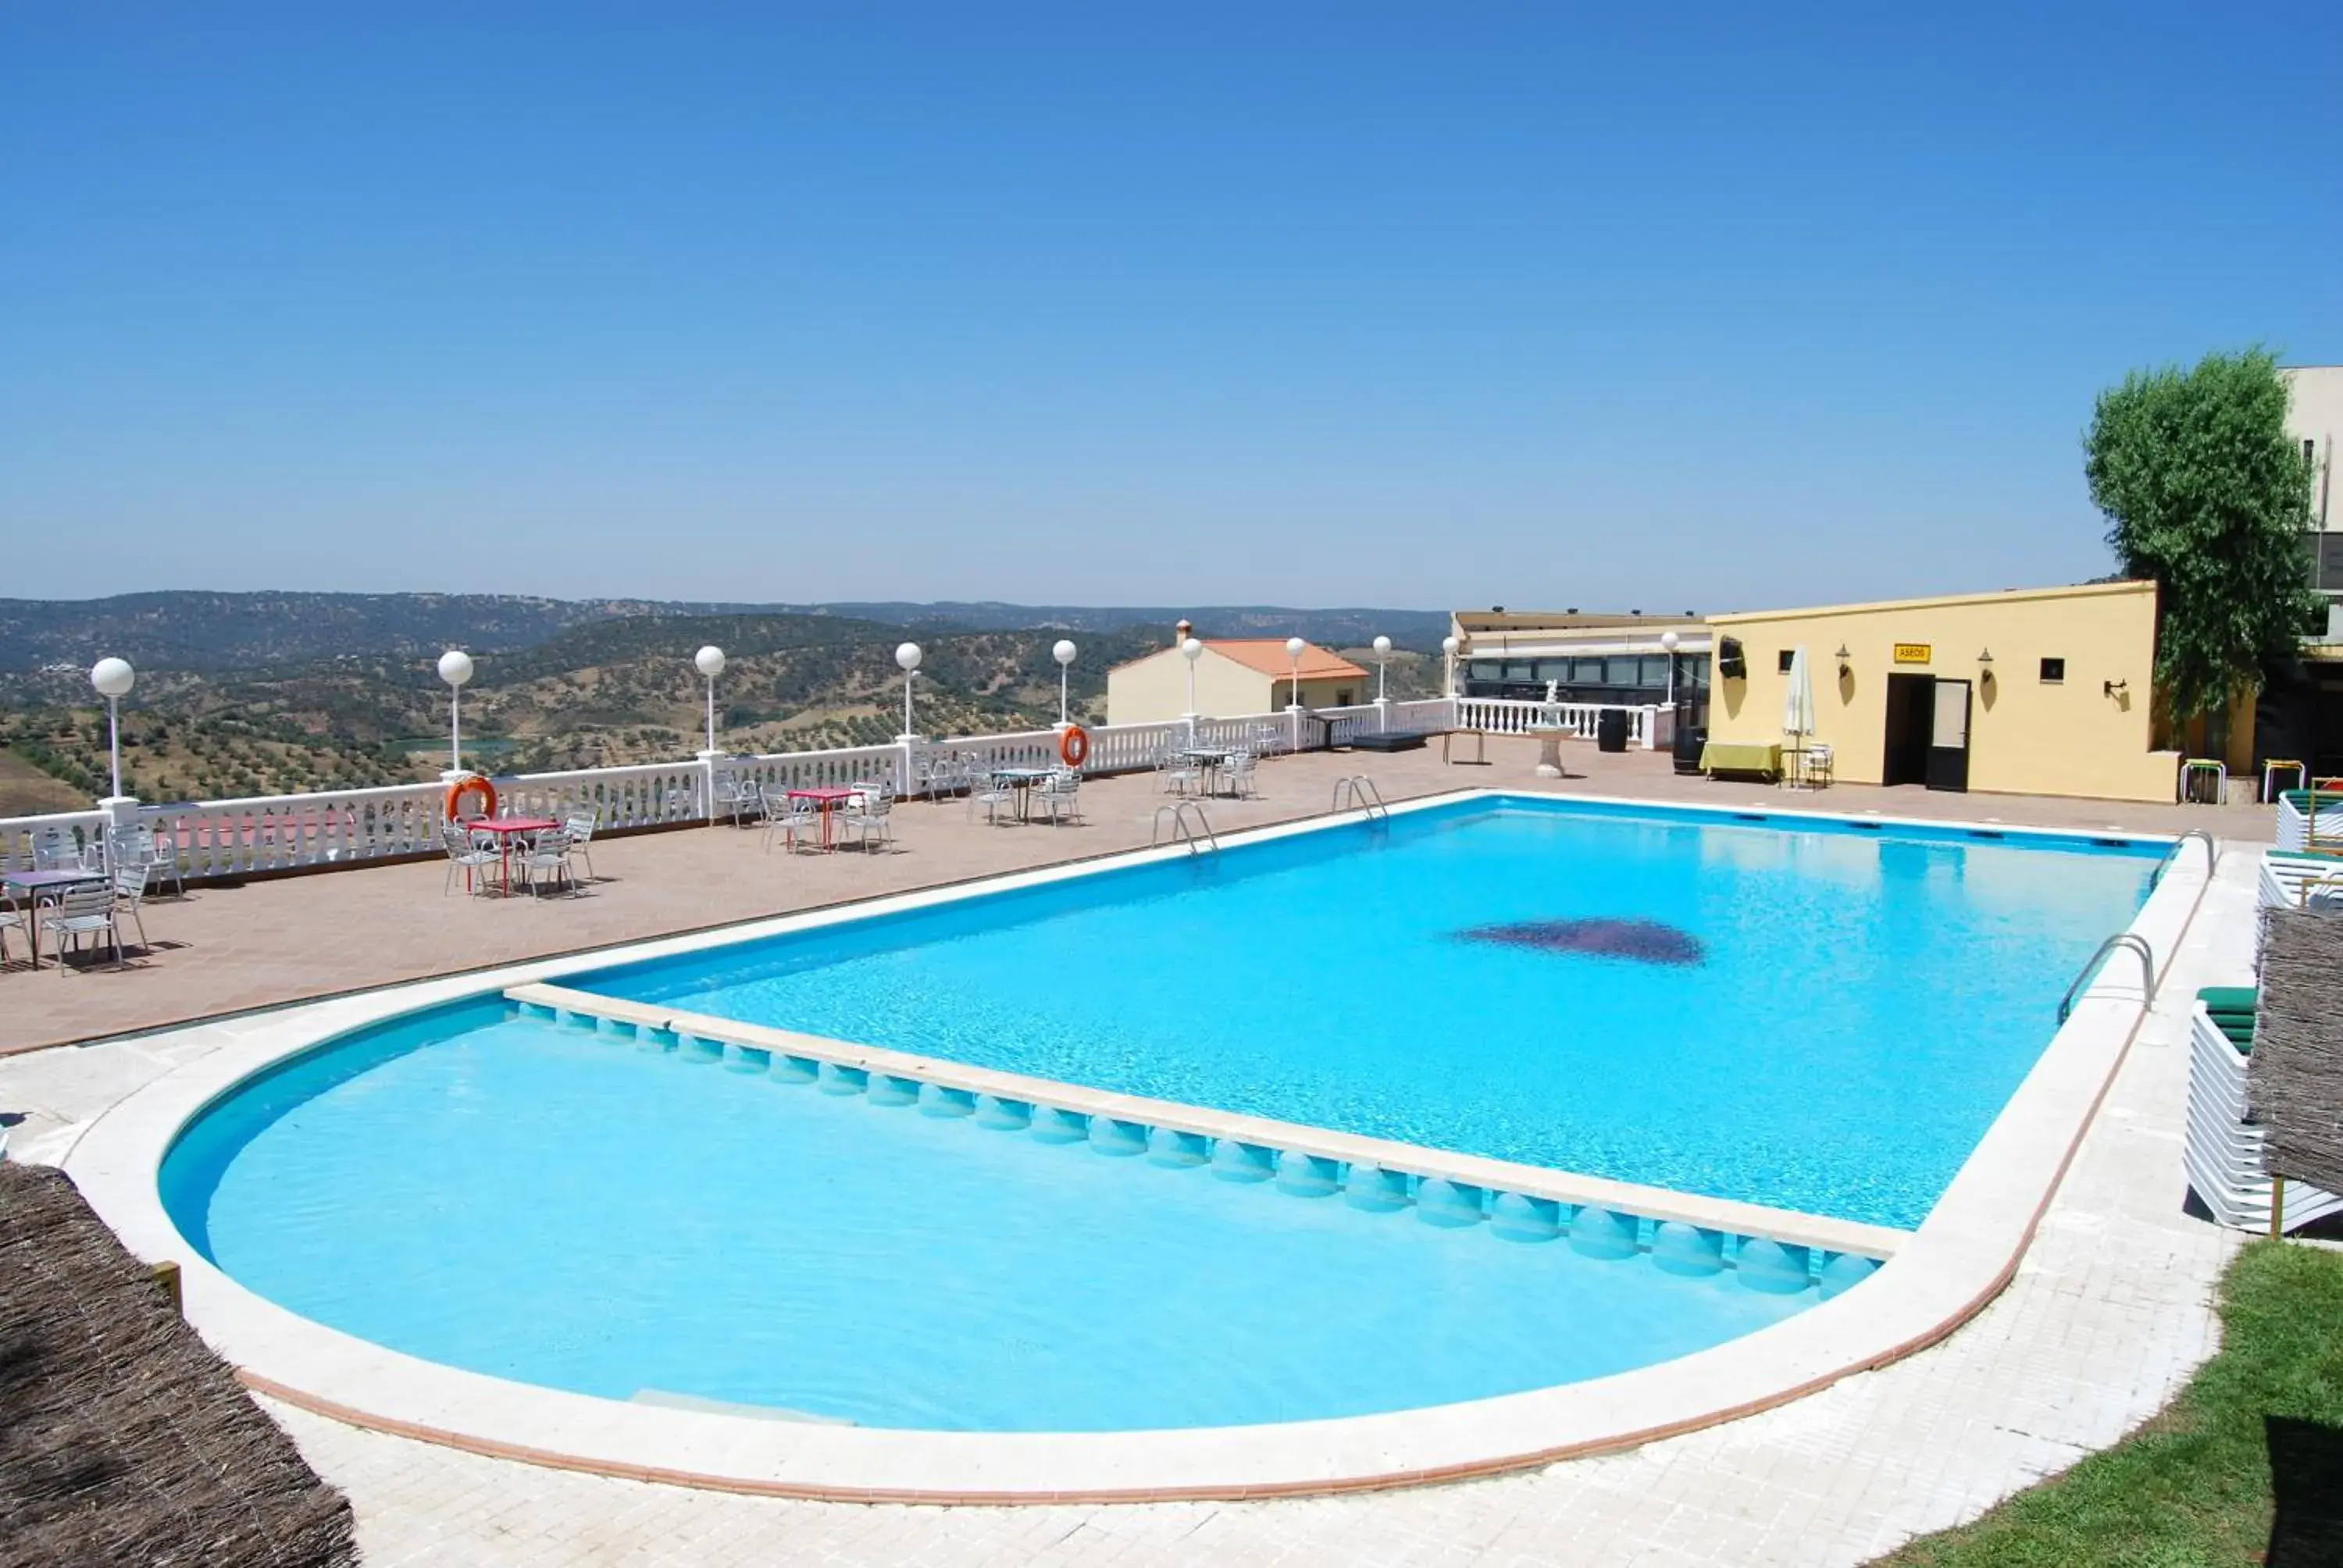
1798 703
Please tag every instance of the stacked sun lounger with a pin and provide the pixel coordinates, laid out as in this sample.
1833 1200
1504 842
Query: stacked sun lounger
2224 1150
2288 876
2294 819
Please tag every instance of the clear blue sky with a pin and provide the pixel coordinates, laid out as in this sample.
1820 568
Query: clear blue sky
1408 305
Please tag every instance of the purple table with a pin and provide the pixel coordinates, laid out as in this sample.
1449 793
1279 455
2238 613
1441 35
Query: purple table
36 883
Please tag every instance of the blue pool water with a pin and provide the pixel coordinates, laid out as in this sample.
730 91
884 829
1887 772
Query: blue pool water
1862 1005
556 1208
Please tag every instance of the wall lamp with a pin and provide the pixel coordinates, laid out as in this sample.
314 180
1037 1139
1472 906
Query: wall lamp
1985 665
2115 688
1843 656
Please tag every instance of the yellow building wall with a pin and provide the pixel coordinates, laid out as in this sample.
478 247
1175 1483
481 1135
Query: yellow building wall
2027 736
1155 688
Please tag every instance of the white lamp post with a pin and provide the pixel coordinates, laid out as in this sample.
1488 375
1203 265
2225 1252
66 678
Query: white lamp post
454 669
710 662
1669 640
1192 651
1064 654
1448 646
1383 664
907 659
1293 647
112 678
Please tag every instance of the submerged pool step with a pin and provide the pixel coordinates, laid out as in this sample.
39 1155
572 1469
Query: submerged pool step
1522 1206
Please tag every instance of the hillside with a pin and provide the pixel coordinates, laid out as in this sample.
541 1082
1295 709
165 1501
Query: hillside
190 630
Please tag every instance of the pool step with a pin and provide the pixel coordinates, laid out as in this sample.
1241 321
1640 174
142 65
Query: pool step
1772 1249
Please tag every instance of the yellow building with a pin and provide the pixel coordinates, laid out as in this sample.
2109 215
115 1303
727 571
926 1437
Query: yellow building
1233 675
2036 691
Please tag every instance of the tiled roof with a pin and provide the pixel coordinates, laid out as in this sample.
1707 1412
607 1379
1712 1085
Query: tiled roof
1268 655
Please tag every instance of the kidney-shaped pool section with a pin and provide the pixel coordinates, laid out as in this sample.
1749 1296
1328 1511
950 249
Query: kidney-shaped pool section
547 1205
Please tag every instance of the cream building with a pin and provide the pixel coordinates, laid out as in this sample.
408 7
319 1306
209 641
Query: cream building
1233 675
2036 691
2314 418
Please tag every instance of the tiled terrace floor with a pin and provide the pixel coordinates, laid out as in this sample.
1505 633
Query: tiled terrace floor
2109 1313
227 949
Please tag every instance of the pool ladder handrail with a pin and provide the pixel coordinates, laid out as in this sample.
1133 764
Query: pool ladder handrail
2212 854
1362 795
1179 827
2122 941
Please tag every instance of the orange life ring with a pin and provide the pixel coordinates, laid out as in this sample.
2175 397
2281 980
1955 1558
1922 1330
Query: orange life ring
1074 746
471 784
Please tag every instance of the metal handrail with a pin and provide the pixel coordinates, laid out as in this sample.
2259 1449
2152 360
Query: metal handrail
2122 941
1362 793
1180 809
2212 854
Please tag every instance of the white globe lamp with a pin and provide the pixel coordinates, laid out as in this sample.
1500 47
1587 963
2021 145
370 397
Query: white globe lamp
1669 643
1448 647
907 659
1293 649
1382 660
114 677
1063 651
454 669
710 662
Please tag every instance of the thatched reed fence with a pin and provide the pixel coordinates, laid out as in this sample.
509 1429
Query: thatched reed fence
123 1438
2294 1076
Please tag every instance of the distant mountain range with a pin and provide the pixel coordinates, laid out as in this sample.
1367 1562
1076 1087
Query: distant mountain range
206 632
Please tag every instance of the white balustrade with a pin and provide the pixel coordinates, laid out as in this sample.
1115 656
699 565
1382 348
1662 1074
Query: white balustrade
357 826
1511 716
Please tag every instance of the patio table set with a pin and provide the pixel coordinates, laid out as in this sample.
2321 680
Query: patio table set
77 892
1208 770
825 817
489 851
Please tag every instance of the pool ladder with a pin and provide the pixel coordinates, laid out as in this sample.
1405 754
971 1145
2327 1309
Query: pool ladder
1359 791
2122 941
1182 830
2212 854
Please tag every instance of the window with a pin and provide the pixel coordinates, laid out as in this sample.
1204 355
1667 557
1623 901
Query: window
1655 672
1586 671
1620 671
2309 453
1343 697
1788 654
2054 670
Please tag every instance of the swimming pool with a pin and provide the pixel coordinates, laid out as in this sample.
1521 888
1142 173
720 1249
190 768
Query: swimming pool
1666 998
1817 1016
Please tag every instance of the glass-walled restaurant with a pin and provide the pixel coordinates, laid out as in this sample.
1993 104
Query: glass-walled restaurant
1620 679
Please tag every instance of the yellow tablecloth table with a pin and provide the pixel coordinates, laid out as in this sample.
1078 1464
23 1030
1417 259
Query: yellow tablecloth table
1742 757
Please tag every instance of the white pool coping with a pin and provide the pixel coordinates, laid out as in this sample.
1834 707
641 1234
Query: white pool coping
1939 1276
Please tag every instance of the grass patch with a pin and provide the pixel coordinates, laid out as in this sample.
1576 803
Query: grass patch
2193 1486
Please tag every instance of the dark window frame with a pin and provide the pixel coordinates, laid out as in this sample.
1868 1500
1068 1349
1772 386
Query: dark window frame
2054 672
1788 654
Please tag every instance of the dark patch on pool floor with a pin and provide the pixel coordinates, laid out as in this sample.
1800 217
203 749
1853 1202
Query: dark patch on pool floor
1645 942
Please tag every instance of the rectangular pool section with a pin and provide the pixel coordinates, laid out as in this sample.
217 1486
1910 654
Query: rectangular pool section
1809 1015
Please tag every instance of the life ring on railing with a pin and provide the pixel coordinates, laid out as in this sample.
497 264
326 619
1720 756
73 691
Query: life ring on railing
1074 746
471 784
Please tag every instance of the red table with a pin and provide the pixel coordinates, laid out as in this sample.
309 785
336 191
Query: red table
504 829
827 797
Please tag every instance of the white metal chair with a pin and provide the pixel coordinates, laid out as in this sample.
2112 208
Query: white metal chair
546 859
993 795
1237 775
12 919
1061 795
480 864
944 773
137 845
790 820
84 909
1176 774
578 829
737 798
869 815
56 850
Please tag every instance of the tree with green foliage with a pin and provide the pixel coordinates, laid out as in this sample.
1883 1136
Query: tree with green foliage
2206 492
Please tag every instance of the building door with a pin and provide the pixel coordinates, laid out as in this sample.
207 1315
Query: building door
1911 715
1948 738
